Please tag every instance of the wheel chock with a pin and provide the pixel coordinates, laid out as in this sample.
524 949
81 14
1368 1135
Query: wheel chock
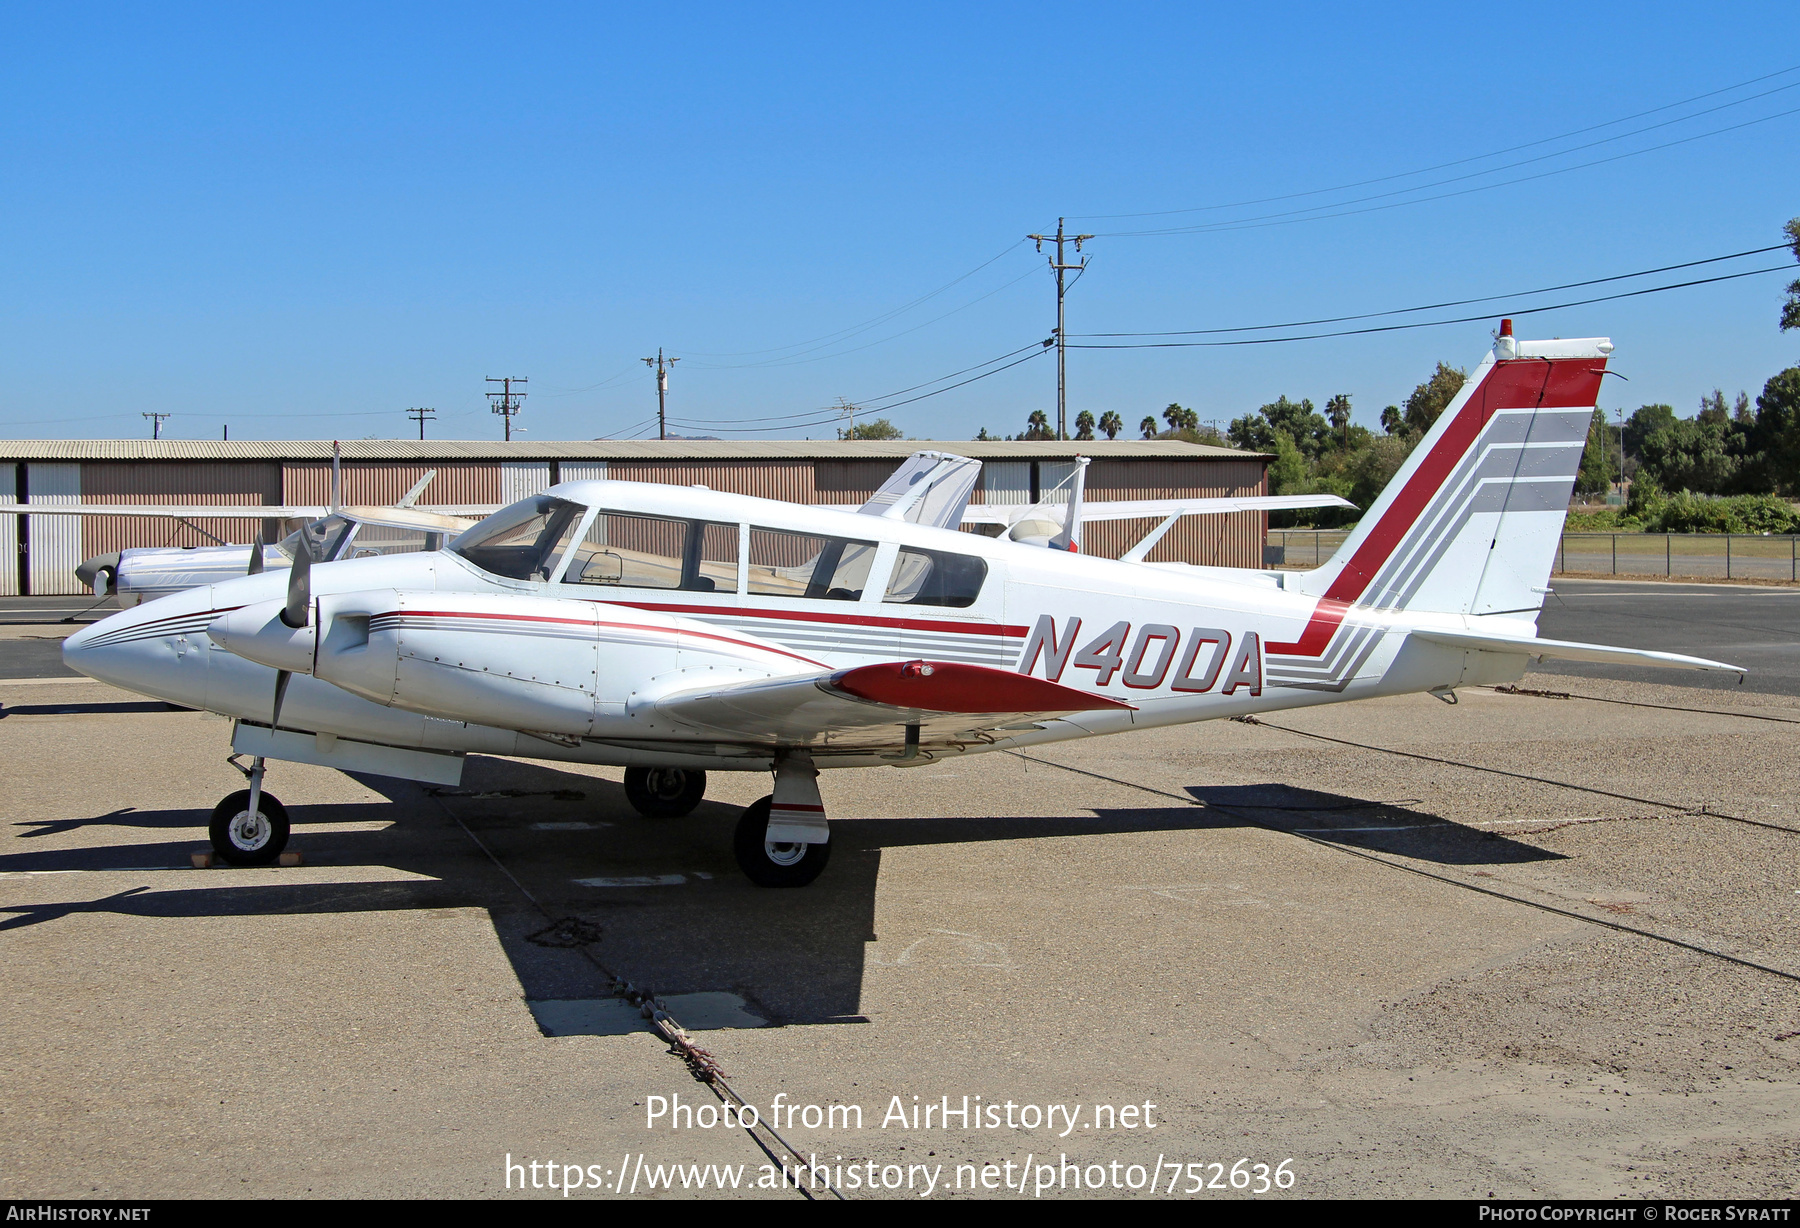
203 861
290 859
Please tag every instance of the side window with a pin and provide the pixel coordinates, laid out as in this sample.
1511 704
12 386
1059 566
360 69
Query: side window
651 552
801 565
932 577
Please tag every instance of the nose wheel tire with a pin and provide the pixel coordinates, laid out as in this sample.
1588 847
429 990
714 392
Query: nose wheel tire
243 839
664 793
768 864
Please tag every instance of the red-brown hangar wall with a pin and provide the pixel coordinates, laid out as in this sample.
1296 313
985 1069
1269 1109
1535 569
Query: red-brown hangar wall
234 483
1217 541
791 480
378 483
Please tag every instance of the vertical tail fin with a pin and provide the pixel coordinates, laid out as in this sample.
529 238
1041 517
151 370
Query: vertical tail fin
1470 523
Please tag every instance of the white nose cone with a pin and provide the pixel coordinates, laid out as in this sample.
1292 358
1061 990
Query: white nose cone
257 633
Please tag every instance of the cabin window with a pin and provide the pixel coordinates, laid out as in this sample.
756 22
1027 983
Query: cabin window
932 577
524 541
802 565
655 552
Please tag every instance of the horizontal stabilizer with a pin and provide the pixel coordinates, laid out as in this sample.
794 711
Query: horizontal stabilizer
1569 651
871 704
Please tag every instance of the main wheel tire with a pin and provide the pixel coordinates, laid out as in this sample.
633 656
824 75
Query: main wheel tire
774 865
242 840
664 793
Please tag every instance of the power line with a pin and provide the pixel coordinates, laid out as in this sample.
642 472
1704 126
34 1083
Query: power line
1391 328
1286 219
422 416
156 421
855 329
1498 153
1463 302
835 414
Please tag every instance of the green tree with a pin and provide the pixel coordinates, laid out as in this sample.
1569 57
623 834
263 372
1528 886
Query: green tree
1287 472
1148 426
1432 397
1037 426
1084 425
879 428
1778 426
1790 310
1392 420
982 436
1644 422
1111 424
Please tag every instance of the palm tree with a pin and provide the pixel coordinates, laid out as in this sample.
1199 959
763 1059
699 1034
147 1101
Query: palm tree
1037 426
1148 426
1111 424
1084 425
1338 410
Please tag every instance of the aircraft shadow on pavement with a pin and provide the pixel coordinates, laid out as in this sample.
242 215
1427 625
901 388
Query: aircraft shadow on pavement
1379 827
671 911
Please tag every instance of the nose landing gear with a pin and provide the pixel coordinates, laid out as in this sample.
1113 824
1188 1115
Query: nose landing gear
250 827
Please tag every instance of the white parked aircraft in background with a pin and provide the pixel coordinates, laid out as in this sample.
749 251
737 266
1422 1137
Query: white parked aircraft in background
674 631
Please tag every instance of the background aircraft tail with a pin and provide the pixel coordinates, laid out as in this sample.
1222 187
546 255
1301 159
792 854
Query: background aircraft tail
1471 522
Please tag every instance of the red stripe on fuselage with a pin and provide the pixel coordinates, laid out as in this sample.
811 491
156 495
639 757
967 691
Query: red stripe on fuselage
1520 383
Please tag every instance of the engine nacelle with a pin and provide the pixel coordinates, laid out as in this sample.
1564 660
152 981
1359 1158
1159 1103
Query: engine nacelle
537 664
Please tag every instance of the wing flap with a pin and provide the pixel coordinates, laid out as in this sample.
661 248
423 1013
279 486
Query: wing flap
871 705
1568 650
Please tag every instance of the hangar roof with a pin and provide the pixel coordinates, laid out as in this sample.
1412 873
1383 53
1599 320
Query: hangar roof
600 449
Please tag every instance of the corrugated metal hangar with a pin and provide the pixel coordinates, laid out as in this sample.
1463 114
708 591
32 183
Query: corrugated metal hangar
138 471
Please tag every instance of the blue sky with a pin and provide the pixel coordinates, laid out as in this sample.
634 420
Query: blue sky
302 222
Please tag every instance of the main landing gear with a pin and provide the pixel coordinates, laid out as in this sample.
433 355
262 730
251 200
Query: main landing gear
664 793
780 841
783 839
250 827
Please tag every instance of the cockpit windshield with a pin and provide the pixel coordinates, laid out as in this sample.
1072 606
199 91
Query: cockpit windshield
525 541
327 537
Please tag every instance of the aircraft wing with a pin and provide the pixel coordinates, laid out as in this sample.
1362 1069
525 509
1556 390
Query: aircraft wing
1141 509
1570 651
870 706
431 520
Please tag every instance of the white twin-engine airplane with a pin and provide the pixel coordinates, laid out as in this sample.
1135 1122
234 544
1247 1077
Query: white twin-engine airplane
674 631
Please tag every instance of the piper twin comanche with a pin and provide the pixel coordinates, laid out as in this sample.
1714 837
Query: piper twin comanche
674 631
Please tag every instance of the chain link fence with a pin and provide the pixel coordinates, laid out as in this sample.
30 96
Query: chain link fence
1695 556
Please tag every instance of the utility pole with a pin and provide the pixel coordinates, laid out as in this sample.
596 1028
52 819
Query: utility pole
1619 413
1059 266
156 421
663 367
422 416
507 403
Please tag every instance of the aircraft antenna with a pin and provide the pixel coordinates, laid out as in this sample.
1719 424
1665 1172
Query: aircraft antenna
1061 267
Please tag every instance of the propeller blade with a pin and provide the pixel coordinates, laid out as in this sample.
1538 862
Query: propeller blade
281 685
256 553
299 592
